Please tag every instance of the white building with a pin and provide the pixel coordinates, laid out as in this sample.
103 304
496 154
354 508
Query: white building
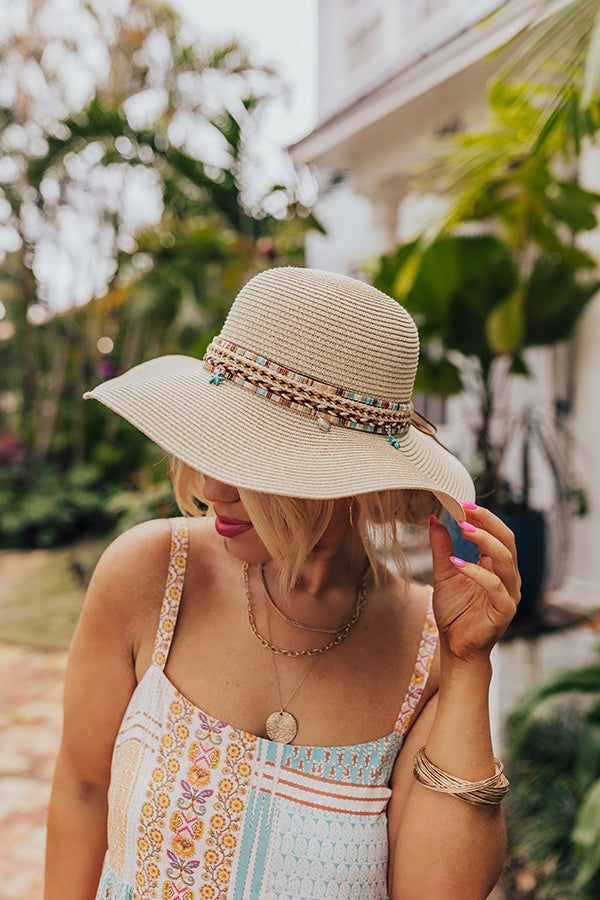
393 74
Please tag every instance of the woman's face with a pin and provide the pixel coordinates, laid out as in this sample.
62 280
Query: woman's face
243 542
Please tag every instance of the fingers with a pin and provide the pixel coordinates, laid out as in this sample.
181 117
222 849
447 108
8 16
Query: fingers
495 539
485 518
491 583
486 562
502 559
441 548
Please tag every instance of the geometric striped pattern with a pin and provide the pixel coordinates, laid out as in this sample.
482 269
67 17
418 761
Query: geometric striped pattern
327 794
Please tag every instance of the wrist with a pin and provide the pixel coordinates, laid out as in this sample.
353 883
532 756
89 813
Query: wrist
478 666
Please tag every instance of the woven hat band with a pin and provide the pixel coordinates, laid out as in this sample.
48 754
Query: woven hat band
332 405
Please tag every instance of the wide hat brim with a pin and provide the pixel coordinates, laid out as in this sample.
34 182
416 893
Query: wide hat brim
232 434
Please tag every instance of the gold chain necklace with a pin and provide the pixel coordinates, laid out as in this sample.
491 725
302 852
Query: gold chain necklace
286 617
361 600
281 725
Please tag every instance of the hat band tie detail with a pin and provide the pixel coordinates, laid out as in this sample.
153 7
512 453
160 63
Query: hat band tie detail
332 405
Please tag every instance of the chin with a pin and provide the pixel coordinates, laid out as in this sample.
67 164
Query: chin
251 551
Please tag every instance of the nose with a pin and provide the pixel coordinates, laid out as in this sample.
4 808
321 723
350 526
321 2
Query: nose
217 491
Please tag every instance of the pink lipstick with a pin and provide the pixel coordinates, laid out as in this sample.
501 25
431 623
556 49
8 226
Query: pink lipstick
228 527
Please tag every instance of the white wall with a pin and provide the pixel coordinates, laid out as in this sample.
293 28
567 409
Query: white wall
353 232
362 41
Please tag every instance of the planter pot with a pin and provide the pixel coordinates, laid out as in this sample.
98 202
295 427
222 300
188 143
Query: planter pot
529 527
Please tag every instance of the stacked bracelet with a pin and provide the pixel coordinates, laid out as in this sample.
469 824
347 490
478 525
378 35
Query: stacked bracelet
487 791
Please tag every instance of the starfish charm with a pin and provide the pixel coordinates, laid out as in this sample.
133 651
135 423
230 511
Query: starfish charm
217 377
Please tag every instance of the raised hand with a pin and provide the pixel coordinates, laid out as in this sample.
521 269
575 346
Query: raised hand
474 603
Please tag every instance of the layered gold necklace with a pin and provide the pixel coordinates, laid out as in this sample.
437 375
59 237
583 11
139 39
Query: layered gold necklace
281 725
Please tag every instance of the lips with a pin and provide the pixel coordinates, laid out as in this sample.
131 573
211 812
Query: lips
227 520
228 528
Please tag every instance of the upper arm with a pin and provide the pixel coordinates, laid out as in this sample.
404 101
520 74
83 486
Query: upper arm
126 585
416 737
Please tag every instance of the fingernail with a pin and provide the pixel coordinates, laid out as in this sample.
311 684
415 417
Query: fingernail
457 561
466 526
432 518
468 505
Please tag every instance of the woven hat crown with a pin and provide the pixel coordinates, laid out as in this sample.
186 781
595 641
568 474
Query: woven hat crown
329 326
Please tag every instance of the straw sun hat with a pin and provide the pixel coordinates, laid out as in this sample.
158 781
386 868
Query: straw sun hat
305 392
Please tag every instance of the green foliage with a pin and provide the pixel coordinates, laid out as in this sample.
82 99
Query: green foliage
133 506
51 507
554 740
460 280
555 298
526 281
559 57
167 286
542 803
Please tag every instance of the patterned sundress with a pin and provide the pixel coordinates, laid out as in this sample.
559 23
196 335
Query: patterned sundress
200 809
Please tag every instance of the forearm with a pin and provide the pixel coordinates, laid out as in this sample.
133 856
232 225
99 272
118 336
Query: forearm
76 840
447 847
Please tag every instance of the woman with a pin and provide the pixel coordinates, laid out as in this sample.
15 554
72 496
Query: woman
272 708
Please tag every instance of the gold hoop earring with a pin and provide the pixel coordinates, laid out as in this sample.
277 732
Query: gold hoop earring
350 513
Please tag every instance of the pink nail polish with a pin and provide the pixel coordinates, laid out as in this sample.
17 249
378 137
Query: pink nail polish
457 561
466 526
432 518
468 505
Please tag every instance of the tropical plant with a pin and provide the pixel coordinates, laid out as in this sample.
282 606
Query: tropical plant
554 748
543 104
478 307
55 513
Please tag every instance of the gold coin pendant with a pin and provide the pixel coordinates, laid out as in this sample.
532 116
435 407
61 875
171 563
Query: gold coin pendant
281 726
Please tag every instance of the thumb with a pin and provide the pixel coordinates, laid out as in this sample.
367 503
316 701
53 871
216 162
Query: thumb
441 549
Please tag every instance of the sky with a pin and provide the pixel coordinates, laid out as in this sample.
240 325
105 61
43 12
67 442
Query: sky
282 34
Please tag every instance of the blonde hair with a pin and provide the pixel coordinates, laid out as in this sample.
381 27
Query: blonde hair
290 527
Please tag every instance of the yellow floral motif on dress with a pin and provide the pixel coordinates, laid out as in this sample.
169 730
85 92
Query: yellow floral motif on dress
229 806
423 664
190 825
173 589
153 814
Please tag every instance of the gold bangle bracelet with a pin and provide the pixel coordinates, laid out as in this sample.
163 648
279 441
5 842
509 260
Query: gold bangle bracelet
487 791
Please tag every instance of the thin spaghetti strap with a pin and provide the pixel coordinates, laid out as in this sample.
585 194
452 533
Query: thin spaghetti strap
425 654
173 590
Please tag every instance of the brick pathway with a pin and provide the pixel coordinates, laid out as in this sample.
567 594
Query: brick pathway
30 726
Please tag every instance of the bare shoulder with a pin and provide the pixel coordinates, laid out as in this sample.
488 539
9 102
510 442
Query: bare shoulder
128 579
100 676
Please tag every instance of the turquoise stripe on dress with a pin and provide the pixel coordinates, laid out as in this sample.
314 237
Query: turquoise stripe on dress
111 887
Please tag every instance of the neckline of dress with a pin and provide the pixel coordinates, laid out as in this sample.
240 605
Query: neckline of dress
386 738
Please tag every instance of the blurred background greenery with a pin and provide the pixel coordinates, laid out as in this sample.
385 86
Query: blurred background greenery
71 473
